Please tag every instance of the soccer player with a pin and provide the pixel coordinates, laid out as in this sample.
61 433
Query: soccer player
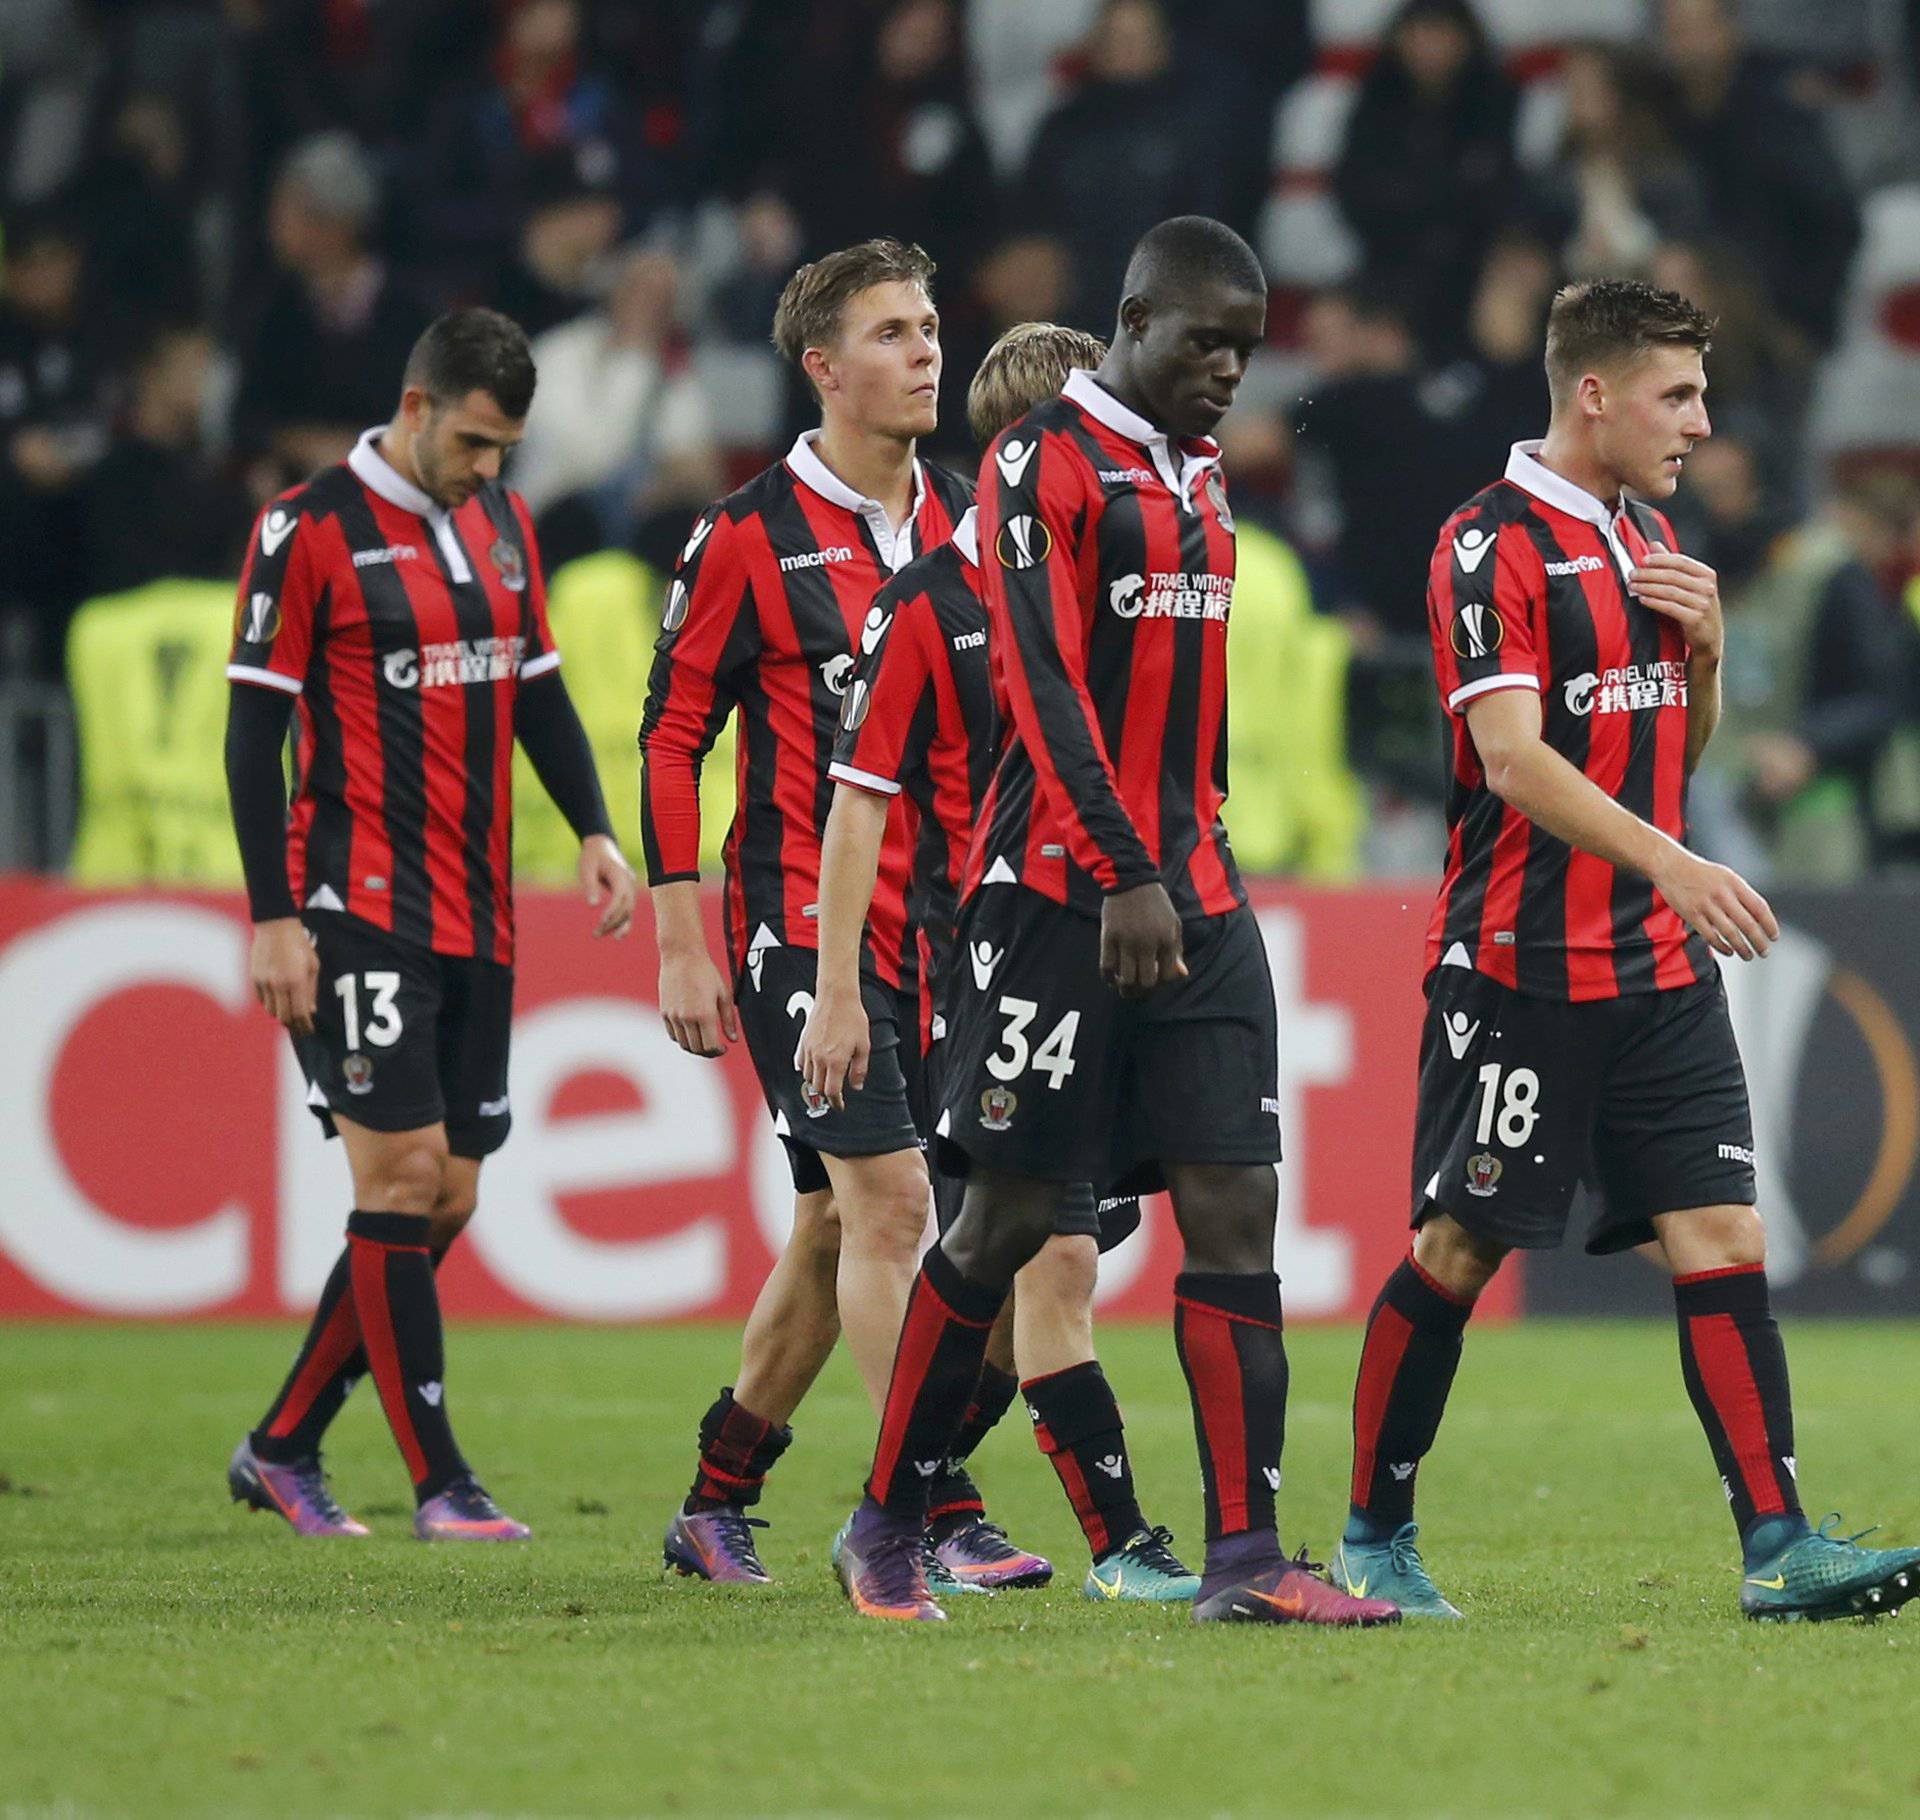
1116 1022
1576 1022
765 616
920 717
396 602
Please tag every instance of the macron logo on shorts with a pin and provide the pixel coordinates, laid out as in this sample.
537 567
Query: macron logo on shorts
1736 1153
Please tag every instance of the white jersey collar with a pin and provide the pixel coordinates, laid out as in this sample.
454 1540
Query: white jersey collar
896 548
1532 475
374 470
1180 466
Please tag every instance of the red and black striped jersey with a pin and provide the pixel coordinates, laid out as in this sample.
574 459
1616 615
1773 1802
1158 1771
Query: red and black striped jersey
919 717
1528 589
769 603
405 631
1107 567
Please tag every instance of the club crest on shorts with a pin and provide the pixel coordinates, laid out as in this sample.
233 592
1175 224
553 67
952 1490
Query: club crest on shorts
1483 1173
817 1103
996 1108
359 1072
511 564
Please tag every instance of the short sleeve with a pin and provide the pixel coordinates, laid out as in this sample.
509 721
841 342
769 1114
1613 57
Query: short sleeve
273 620
1480 610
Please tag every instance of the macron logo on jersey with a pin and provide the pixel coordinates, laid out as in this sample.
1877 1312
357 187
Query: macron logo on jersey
1578 565
692 546
1470 547
275 529
1014 459
815 559
878 619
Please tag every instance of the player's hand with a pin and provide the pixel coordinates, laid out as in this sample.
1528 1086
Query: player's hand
286 971
1140 945
835 1046
1717 903
696 1004
604 873
1687 592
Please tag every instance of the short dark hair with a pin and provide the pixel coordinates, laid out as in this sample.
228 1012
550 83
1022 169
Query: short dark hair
1611 322
810 308
474 351
1186 248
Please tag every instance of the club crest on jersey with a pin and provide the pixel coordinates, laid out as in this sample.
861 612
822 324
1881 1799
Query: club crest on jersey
1483 1173
511 565
1217 492
1024 543
996 1108
853 710
1478 630
358 1070
260 620
676 614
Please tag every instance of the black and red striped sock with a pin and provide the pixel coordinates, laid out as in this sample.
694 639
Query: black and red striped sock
1078 1425
332 1360
1227 1329
936 1369
399 1310
954 1494
737 1451
1407 1362
1736 1372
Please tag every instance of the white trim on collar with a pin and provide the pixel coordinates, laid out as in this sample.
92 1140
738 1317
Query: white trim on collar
896 548
966 536
1180 466
1532 475
374 470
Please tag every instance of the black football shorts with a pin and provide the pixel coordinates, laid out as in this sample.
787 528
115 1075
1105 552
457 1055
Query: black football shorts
774 993
404 1037
1108 1219
1523 1099
1051 1074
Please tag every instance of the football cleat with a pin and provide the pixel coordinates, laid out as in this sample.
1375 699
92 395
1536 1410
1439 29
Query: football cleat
716 1545
1391 1570
882 1563
1821 1575
1292 1593
297 1490
1143 1567
978 1555
464 1513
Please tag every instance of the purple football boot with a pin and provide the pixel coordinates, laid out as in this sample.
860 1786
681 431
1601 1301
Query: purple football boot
716 1545
297 1491
464 1513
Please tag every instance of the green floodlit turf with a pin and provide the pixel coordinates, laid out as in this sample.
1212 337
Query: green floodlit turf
163 1653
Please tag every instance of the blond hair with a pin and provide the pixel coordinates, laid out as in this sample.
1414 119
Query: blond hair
1025 367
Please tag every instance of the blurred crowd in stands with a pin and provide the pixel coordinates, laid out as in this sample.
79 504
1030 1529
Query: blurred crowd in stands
225 221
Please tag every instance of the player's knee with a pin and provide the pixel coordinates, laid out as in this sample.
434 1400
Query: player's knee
1226 1214
1059 1283
449 1223
816 1225
405 1178
1714 1238
1455 1258
884 1203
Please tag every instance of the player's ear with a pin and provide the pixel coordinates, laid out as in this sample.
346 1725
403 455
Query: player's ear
1591 395
416 406
1135 314
815 364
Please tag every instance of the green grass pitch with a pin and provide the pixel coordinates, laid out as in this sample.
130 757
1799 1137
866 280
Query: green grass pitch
164 1653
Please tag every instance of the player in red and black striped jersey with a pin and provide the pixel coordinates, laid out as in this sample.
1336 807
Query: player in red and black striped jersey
396 602
764 620
1115 1017
1577 1028
919 720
